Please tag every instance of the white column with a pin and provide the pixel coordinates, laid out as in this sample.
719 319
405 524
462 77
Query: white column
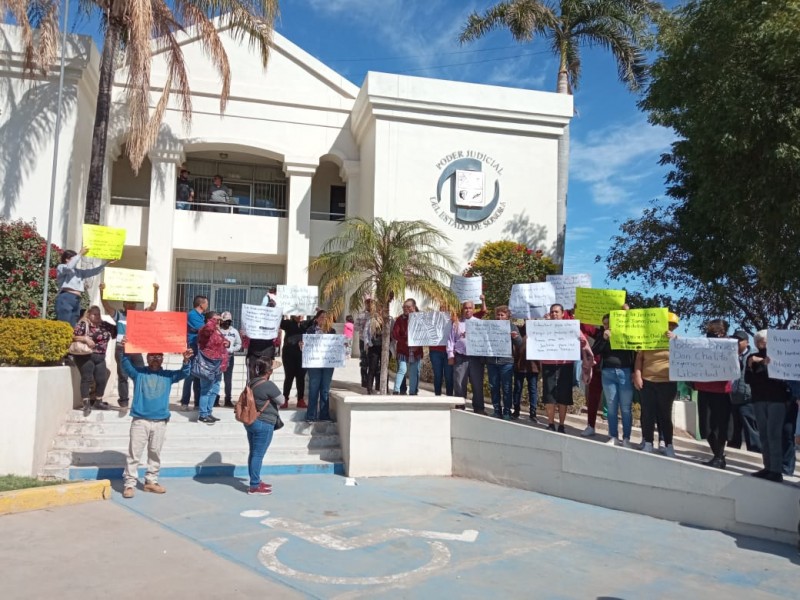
298 238
351 175
161 222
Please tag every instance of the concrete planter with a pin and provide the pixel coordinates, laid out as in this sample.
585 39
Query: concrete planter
34 403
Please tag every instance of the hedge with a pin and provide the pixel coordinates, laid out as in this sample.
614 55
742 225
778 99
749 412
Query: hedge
32 342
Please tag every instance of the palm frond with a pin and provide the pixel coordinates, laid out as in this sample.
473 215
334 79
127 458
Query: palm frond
524 19
139 24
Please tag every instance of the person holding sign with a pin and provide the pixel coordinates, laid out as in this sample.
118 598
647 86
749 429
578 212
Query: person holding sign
150 415
616 367
319 379
771 398
714 405
121 319
408 359
651 378
501 370
465 367
558 376
257 348
72 283
293 360
230 333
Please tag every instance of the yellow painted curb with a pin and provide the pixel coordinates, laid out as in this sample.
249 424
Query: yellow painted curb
54 495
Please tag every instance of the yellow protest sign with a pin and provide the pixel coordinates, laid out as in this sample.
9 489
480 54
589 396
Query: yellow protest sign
639 329
128 285
103 242
592 304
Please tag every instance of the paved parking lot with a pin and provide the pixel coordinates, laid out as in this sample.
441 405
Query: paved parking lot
316 537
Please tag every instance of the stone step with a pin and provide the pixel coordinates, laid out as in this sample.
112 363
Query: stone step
171 456
187 438
191 426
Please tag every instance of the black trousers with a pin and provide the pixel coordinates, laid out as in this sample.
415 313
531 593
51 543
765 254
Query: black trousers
93 370
657 399
293 371
373 368
716 425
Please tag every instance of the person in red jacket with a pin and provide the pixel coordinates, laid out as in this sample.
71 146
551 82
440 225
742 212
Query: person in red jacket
408 359
714 405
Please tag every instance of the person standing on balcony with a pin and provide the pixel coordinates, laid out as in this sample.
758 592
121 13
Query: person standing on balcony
184 192
219 196
121 319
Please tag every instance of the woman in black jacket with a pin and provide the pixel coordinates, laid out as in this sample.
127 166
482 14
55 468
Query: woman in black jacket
770 399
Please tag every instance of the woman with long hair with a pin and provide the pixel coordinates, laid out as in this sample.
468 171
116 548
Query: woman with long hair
95 333
268 399
213 352
319 379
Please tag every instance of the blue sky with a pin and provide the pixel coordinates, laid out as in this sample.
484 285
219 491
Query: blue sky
614 171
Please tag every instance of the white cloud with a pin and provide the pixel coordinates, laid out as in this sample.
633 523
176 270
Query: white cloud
613 160
518 72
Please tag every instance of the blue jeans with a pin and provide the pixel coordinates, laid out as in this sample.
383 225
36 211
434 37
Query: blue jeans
412 368
532 380
209 388
618 389
319 386
68 307
441 370
259 437
500 381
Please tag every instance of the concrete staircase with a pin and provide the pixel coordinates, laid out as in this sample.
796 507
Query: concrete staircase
95 447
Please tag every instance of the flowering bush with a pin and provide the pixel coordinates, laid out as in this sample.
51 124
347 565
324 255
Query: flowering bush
22 256
504 263
26 342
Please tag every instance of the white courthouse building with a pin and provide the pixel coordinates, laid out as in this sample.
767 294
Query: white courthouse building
299 146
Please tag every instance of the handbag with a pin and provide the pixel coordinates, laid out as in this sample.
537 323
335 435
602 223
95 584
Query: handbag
81 348
278 423
206 368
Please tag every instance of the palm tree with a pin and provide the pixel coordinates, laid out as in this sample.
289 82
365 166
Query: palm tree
383 259
138 30
620 26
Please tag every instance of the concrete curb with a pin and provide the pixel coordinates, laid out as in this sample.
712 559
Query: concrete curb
50 496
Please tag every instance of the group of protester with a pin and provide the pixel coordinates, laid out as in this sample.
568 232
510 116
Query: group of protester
756 409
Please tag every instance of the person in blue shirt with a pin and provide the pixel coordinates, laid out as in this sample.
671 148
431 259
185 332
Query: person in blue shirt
121 319
150 415
194 323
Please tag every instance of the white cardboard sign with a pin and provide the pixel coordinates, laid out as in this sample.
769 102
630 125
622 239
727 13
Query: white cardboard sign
553 340
783 350
297 299
260 322
488 338
323 351
531 300
565 285
467 288
429 328
703 359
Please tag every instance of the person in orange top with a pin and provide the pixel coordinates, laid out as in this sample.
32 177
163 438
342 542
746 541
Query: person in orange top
651 378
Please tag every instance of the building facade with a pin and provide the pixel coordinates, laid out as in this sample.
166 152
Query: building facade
300 149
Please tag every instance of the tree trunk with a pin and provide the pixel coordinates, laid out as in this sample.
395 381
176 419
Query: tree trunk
94 190
383 387
562 181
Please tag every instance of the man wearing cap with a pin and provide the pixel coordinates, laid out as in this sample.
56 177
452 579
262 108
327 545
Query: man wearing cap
744 417
651 378
184 193
150 415
234 340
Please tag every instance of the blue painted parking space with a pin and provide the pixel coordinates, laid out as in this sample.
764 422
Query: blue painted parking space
457 538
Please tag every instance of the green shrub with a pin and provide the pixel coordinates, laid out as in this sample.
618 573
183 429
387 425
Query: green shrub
504 263
31 342
22 257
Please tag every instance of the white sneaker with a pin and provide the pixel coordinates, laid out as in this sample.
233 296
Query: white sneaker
588 432
613 442
669 451
626 443
648 447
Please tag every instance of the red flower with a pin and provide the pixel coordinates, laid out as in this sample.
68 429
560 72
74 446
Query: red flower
53 273
34 284
529 251
33 313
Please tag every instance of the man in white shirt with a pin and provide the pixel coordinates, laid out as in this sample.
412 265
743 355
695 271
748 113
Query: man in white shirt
231 335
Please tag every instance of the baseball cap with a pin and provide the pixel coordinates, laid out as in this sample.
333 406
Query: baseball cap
673 318
741 334
226 316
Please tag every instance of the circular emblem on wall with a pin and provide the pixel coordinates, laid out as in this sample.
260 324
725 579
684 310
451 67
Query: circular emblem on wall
467 196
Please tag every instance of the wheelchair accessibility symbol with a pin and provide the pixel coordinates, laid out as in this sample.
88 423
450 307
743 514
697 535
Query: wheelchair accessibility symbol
326 538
